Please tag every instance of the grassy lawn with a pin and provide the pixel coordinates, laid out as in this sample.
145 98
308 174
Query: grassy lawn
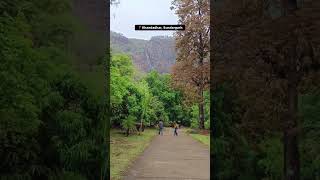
202 137
205 139
124 150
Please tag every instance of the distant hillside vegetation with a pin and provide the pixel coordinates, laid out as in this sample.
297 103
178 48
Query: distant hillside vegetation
157 53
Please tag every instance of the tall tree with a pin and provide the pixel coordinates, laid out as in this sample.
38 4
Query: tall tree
191 72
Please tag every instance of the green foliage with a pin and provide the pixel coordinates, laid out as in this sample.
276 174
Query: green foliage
207 124
240 156
194 113
194 124
271 161
121 81
171 100
207 109
309 105
195 117
129 123
148 98
233 155
121 77
51 125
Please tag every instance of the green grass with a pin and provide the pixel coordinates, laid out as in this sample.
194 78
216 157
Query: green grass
124 150
205 139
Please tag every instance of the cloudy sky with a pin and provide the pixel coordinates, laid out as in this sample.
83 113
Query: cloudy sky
130 12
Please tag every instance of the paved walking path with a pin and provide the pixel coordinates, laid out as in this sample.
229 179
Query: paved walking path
171 157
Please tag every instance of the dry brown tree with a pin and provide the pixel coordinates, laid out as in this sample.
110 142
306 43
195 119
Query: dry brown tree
191 73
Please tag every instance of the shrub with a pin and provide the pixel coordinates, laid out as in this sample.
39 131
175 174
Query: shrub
129 124
194 124
207 124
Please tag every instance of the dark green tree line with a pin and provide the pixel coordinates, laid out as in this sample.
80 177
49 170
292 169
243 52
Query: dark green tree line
51 122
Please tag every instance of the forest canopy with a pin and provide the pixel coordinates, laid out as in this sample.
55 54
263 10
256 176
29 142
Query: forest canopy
146 98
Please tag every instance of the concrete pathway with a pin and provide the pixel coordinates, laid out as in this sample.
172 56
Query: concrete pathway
171 157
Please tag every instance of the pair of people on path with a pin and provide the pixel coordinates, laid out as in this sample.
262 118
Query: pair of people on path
175 126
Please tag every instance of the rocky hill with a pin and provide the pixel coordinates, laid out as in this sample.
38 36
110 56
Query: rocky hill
157 53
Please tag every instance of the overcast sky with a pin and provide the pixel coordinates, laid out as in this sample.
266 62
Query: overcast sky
130 12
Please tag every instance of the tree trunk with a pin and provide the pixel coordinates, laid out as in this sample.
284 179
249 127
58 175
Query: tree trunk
290 131
291 150
292 163
201 110
141 123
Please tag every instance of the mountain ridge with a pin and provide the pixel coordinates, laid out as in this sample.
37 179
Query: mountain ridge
158 53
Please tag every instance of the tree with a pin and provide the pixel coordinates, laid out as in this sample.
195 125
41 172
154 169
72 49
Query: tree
170 98
278 59
145 102
129 124
121 71
191 72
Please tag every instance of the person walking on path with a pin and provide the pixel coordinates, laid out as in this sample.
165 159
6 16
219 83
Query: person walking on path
160 128
175 126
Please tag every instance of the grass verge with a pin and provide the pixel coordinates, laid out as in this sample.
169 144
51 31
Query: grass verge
124 150
205 139
201 136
